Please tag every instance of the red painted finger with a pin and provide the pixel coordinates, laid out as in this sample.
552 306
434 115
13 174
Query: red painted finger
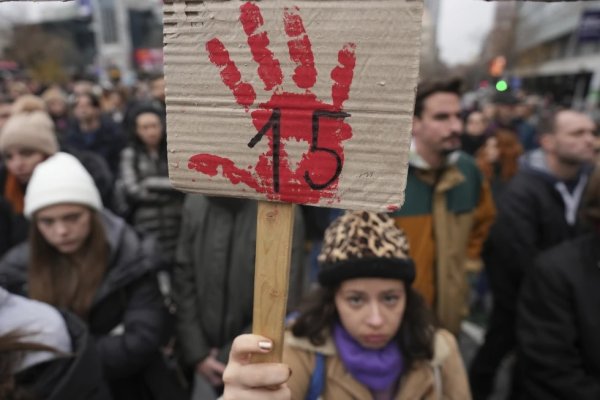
269 69
209 164
342 75
230 75
305 74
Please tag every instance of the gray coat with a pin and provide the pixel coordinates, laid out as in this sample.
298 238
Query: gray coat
214 274
153 204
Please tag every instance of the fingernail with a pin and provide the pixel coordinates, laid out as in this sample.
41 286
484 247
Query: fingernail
265 345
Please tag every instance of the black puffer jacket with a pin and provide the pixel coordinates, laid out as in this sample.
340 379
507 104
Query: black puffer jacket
531 218
558 324
532 212
77 377
127 317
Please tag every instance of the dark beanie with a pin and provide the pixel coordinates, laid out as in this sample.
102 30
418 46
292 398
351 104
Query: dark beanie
364 245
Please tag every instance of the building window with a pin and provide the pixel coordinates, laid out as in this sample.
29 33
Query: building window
586 48
109 22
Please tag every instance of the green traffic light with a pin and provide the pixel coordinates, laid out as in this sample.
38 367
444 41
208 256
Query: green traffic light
501 85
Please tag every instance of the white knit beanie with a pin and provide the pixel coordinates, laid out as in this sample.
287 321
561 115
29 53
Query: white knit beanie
61 179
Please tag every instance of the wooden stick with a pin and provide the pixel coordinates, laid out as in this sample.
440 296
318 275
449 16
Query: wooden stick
275 226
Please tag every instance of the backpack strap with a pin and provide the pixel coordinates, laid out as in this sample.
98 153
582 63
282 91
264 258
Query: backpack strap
317 379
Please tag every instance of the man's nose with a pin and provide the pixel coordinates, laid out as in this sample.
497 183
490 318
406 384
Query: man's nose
456 125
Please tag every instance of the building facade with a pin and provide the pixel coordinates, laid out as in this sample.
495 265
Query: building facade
557 51
107 35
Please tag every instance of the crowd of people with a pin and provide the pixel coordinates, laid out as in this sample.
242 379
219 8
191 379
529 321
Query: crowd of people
113 285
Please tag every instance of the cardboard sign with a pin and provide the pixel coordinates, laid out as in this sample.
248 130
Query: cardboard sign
306 102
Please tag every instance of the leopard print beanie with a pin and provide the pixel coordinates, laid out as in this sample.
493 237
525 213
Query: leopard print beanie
362 244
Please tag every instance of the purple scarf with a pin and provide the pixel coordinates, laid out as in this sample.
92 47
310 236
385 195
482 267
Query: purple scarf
376 369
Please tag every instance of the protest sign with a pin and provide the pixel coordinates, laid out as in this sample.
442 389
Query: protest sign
306 102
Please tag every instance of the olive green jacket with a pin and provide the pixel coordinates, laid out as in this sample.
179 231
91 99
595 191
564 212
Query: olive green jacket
214 275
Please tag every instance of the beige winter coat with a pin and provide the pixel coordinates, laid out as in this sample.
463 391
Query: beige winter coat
443 377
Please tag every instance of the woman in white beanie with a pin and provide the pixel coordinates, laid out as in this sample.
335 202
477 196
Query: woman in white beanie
85 259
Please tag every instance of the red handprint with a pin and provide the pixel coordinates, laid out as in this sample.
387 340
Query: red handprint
298 116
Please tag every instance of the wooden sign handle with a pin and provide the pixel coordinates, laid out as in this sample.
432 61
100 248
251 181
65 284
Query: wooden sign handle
275 226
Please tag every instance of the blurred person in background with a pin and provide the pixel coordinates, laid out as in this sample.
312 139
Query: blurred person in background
26 140
558 324
83 86
529 110
46 354
498 160
526 128
144 92
114 103
92 131
505 104
83 258
474 134
511 116
58 108
537 210
151 203
5 110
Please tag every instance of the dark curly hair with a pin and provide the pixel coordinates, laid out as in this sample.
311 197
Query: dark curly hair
415 336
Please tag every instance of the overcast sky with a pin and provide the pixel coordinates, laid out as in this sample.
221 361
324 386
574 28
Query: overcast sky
28 11
463 26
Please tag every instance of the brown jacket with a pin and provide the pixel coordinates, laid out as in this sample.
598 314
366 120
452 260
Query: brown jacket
446 216
441 378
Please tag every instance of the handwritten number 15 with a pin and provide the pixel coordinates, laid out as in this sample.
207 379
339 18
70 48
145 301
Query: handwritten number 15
274 123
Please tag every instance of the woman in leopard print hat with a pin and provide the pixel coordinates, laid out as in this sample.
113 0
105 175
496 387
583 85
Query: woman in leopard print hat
363 334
